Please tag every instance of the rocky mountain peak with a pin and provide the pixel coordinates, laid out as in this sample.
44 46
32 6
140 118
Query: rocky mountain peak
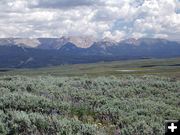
82 41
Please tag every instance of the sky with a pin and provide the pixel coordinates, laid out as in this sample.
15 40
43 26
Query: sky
114 19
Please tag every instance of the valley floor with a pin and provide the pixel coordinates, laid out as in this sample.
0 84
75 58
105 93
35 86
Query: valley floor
160 67
130 97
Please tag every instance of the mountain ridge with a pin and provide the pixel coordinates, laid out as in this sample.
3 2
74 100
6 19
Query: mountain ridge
81 42
43 52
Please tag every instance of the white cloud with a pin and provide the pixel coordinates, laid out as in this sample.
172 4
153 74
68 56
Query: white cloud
164 36
116 19
158 17
116 36
137 35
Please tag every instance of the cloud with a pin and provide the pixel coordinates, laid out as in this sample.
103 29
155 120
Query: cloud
137 35
116 19
160 36
116 35
62 3
152 18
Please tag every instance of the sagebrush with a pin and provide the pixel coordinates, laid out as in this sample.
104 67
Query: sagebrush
50 105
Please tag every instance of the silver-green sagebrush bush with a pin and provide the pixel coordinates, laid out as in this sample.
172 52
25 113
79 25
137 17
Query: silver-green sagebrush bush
50 105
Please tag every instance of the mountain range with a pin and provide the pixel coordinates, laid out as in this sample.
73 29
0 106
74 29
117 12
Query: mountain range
43 52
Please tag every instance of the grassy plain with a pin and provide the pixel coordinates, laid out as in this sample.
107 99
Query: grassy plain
127 97
160 67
